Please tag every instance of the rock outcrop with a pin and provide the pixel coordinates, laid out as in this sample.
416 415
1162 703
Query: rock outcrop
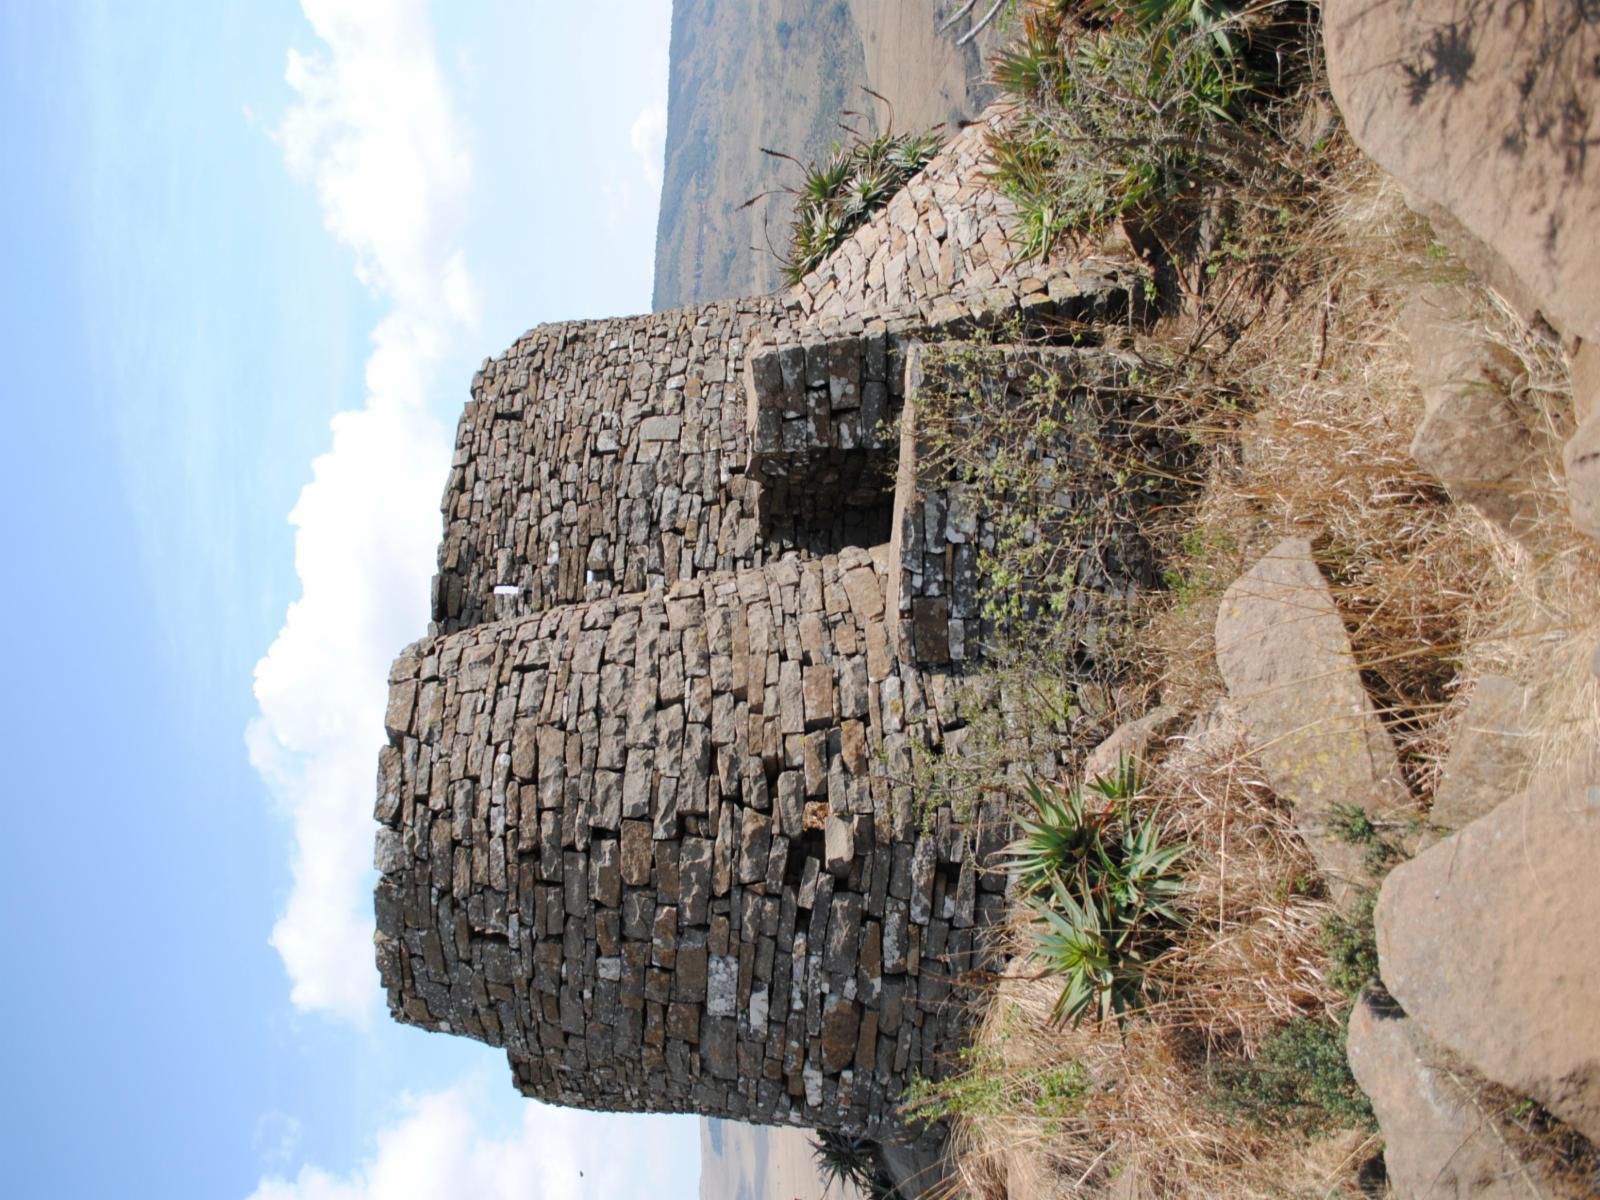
1486 114
1486 109
1489 755
1470 436
1441 1144
1489 942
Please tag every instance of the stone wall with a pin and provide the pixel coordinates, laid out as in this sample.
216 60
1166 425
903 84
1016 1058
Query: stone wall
597 458
648 844
645 817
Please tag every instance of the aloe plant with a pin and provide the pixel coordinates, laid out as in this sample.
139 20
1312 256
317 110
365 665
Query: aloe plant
839 194
1103 886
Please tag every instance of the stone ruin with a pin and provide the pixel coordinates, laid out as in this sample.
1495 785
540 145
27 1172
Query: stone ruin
644 813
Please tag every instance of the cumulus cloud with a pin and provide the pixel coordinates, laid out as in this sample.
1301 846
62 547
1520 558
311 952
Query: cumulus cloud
648 137
439 1150
372 129
276 1138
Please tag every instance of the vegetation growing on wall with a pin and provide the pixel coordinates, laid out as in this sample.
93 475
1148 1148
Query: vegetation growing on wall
840 193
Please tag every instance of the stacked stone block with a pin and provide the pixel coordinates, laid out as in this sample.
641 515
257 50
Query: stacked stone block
649 845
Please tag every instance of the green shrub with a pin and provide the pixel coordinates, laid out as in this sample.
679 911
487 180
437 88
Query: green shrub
987 1087
1351 941
1127 105
1301 1079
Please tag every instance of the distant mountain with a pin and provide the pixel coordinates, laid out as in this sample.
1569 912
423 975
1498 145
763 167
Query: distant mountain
781 74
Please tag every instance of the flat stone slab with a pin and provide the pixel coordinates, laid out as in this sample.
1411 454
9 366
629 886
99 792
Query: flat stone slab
1489 940
1284 655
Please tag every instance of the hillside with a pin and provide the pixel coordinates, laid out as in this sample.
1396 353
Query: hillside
777 74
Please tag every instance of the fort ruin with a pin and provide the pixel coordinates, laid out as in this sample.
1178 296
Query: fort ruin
644 819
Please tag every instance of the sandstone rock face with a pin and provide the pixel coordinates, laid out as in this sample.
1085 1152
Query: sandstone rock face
1584 363
1489 942
1284 655
1437 1143
1489 754
1488 110
1470 437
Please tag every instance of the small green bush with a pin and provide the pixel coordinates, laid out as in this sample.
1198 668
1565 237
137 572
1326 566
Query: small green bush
1354 825
1127 105
987 1087
1301 1079
1351 941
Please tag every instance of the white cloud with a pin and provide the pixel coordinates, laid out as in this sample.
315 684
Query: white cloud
276 1138
648 137
439 1150
374 132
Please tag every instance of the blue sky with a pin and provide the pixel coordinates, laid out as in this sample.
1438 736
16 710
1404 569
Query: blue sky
252 254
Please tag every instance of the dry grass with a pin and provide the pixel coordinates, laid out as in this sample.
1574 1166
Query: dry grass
1250 961
1300 377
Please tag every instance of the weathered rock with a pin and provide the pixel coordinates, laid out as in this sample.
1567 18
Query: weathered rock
1584 367
1489 942
1286 659
841 1022
1438 1143
1470 437
1130 739
1487 111
1489 755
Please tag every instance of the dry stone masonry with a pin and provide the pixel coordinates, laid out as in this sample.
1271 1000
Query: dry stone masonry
644 818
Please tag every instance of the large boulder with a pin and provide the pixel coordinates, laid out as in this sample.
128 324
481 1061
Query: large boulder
1489 111
1288 666
1489 941
1439 1143
1581 458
